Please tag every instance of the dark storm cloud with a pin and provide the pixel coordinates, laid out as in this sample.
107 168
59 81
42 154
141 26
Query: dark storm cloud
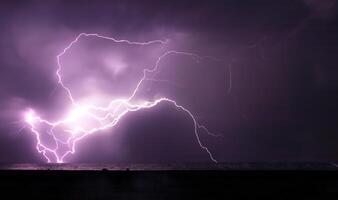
322 8
282 105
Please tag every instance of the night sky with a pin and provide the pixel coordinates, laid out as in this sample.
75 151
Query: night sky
272 92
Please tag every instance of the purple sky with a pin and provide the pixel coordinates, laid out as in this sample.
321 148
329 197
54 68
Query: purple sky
281 54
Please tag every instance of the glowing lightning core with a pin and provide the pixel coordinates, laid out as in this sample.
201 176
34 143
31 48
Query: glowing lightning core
115 110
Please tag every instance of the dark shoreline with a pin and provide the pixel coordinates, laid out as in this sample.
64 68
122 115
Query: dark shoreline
190 181
172 166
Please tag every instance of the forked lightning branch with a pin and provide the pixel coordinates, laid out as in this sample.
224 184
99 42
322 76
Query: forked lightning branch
109 115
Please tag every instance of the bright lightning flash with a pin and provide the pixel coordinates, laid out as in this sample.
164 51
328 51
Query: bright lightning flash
84 120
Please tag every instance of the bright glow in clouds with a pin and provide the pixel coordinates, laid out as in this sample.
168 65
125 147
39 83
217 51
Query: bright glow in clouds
85 119
114 65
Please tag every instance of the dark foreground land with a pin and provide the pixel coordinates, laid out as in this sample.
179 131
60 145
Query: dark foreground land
161 181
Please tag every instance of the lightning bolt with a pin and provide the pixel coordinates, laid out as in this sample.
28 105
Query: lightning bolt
113 112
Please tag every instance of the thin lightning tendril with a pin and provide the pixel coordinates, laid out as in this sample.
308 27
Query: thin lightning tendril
116 109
